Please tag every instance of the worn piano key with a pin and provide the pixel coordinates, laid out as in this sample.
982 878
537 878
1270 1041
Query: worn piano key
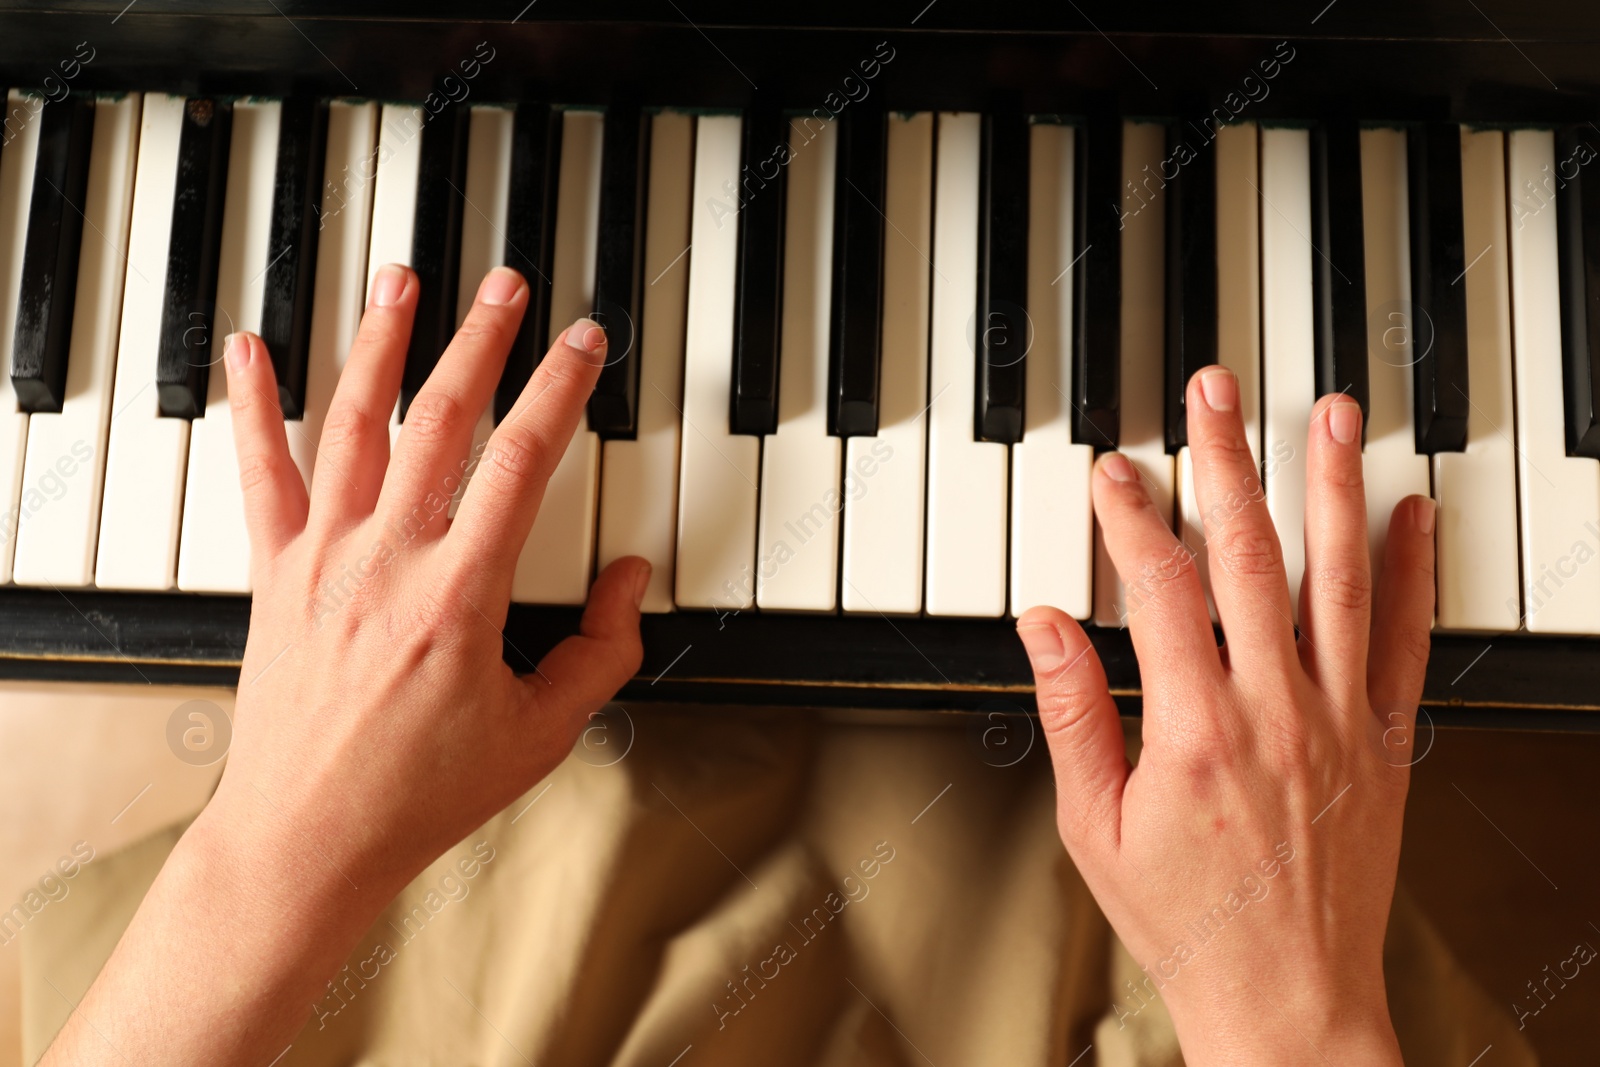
639 487
530 239
1477 563
1096 279
1141 358
855 345
296 225
967 483
1392 468
1288 357
1338 279
1001 328
619 280
1052 522
189 303
1191 273
716 536
759 199
436 244
17 155
799 507
1578 218
50 259
214 542
557 560
1238 230
147 455
1559 494
1438 263
56 543
883 521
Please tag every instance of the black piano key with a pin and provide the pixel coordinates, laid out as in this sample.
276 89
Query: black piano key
1001 336
1097 282
856 336
50 254
758 316
1438 295
1578 232
619 269
531 239
1338 265
436 243
292 250
186 348
1191 277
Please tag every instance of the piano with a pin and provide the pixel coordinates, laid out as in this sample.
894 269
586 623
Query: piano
879 283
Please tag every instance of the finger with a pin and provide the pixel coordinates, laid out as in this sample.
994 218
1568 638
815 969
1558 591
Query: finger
430 459
1247 576
1080 725
1336 598
583 672
353 448
1165 605
503 497
1403 608
274 492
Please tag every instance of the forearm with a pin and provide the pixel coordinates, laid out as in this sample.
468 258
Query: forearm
235 941
1290 1026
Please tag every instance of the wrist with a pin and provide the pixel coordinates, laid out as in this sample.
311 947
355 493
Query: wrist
1274 1024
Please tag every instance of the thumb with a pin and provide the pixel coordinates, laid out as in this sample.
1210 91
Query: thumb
586 670
1080 725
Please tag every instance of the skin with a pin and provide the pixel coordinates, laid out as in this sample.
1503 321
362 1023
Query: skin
400 678
1268 786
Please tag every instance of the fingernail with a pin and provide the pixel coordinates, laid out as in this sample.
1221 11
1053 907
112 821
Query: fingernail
1045 649
236 352
586 335
1344 421
1426 511
1220 388
389 285
501 286
1117 467
641 582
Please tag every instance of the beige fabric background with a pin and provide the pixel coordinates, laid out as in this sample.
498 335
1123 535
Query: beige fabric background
632 907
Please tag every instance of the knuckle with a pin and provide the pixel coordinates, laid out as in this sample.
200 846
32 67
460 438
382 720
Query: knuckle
433 416
1229 448
1344 586
511 460
257 471
346 429
1247 552
1415 644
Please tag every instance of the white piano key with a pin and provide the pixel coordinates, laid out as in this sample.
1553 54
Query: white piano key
717 478
1288 363
1477 489
1143 434
394 171
557 561
339 296
1238 313
147 454
16 188
639 481
800 498
56 542
214 546
883 519
966 477
1391 467
1560 494
483 237
1052 516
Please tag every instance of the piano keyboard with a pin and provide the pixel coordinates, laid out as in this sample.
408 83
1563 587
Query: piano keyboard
858 366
